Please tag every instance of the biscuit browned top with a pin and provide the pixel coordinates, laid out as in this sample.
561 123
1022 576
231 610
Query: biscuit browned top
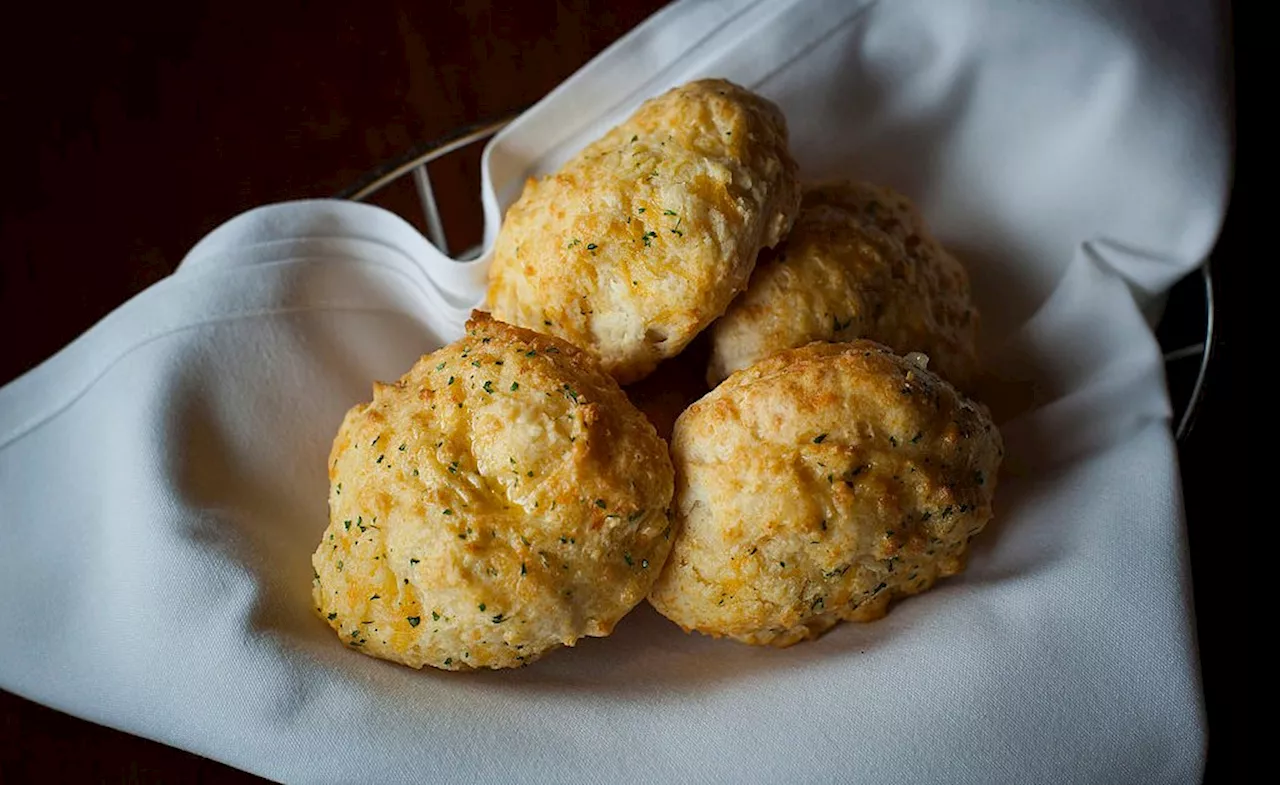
501 499
859 263
818 484
644 237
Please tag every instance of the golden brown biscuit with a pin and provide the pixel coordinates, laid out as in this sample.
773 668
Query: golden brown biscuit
817 485
859 263
644 237
503 498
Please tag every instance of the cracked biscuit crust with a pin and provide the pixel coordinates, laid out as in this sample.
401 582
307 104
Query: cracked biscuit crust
642 239
816 486
502 499
859 263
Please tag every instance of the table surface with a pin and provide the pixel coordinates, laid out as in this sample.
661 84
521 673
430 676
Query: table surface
149 126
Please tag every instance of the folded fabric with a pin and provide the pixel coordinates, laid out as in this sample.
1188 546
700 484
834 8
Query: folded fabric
163 477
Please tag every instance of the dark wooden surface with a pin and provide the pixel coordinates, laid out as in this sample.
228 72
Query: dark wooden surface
127 133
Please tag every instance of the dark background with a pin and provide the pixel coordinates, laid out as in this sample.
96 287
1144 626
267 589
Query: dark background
128 133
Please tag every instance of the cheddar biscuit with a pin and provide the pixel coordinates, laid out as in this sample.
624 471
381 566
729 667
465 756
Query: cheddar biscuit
502 499
816 486
859 263
644 237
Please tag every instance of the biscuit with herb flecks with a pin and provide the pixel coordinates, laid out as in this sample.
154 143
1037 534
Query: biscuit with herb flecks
816 486
500 500
859 263
644 237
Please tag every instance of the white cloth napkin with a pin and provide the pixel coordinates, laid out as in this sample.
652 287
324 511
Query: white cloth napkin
162 479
